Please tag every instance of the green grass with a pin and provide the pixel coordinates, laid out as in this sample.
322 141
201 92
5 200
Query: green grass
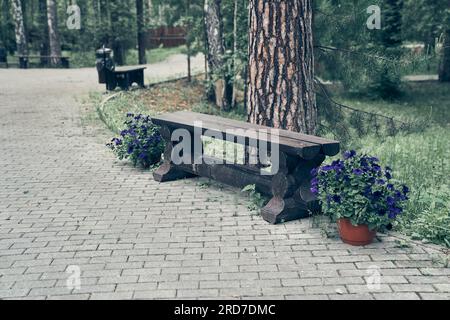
154 55
419 159
113 113
207 108
419 101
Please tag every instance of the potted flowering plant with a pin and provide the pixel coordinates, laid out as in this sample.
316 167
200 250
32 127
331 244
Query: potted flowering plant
140 142
360 195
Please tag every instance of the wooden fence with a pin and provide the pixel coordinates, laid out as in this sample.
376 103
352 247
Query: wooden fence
166 36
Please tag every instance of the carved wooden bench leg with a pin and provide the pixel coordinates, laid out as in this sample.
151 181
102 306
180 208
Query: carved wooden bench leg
169 171
139 78
292 197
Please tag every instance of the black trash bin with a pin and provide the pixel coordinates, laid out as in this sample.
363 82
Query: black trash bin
104 63
23 62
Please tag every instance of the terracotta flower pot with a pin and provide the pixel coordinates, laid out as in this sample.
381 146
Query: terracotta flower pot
355 236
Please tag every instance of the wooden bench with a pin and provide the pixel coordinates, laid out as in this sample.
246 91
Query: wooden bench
289 187
124 77
24 61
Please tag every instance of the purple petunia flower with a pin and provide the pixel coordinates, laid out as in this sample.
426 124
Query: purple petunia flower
388 175
349 154
390 201
405 190
327 168
117 141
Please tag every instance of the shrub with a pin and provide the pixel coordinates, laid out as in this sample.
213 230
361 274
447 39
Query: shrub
140 142
359 189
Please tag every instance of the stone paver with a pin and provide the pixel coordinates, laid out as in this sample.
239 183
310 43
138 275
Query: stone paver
66 204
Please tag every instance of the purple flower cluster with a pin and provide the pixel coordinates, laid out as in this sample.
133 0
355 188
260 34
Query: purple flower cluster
140 141
359 180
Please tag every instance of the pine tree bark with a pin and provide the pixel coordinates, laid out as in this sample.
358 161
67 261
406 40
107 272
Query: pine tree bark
235 49
188 42
117 9
221 92
444 67
44 46
21 39
53 33
280 83
140 31
104 23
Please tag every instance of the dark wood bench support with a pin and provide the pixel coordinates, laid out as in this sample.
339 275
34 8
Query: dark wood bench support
291 189
124 78
169 172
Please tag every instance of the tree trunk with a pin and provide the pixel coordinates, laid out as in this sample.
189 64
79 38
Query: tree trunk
149 18
221 92
53 33
140 31
104 24
444 67
21 39
44 46
280 79
235 49
188 41
117 10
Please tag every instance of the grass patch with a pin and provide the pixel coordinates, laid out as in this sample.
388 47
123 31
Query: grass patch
154 55
420 159
166 97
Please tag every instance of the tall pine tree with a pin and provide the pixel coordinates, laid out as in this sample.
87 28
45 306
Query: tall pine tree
281 65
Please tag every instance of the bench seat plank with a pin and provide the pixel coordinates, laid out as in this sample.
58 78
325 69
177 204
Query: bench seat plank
128 69
290 142
330 147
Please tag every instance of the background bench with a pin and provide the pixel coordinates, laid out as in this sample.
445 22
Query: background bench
113 77
124 77
289 188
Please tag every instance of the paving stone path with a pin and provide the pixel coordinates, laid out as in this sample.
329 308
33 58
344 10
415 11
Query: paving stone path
66 205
